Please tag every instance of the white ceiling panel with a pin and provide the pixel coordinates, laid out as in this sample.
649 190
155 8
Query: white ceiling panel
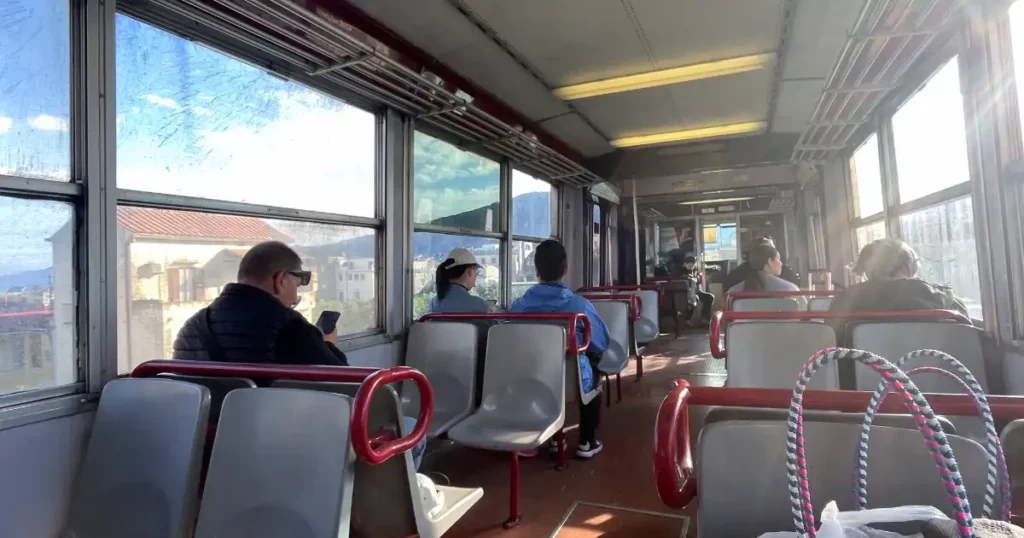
691 105
795 104
568 41
439 29
683 32
819 32
573 127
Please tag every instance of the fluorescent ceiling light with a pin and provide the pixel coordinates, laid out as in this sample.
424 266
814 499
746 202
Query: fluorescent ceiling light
664 77
690 134
718 200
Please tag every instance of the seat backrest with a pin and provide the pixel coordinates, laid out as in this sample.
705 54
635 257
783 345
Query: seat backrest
743 484
819 304
219 387
525 377
275 474
1012 438
390 480
447 354
646 328
770 354
140 473
766 304
616 316
723 414
893 340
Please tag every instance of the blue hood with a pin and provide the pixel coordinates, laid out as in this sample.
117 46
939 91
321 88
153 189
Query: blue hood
546 298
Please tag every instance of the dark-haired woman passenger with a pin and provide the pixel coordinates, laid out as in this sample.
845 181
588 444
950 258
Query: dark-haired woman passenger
454 278
767 261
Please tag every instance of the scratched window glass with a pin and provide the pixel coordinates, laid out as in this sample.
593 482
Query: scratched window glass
37 295
35 89
194 122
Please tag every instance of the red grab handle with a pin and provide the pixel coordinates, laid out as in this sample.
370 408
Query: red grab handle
385 450
673 462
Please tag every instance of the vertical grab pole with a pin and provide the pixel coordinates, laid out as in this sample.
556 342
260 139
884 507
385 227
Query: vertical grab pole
636 232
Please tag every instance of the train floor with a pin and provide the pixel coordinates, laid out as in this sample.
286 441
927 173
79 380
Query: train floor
611 496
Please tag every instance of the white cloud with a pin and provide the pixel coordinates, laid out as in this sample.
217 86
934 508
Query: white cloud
46 122
5 124
201 111
165 102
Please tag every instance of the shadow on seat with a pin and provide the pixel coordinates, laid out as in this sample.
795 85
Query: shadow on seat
447 354
120 492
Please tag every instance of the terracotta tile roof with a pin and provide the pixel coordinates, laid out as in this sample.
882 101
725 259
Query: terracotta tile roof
173 223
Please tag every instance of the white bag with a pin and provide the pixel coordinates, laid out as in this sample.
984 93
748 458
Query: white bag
836 524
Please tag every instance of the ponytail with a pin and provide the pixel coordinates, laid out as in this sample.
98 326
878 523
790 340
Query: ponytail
758 258
443 278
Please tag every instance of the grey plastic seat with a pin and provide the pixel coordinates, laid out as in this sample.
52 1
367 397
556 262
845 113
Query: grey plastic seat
894 339
447 354
1012 438
615 315
819 304
646 329
140 473
403 515
767 304
524 389
770 354
724 414
272 475
741 465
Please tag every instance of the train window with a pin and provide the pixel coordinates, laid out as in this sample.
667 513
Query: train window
37 295
454 188
595 247
868 233
173 263
35 81
930 137
943 236
534 206
194 122
1016 16
430 249
524 274
866 179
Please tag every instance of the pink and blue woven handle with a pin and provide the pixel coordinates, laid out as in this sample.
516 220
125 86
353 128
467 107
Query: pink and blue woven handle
917 406
996 459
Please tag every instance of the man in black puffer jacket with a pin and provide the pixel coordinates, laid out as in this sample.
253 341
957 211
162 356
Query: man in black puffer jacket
255 321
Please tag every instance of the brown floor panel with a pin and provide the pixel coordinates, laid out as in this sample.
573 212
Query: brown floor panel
620 476
587 520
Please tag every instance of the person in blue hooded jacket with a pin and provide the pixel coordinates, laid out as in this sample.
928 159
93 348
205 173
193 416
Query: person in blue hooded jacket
551 295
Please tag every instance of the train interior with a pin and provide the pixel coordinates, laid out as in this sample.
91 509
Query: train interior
375 136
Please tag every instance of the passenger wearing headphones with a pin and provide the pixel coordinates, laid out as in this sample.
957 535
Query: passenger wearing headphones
454 278
891 267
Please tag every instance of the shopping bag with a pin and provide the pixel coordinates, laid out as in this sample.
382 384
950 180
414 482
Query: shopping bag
935 439
836 524
996 472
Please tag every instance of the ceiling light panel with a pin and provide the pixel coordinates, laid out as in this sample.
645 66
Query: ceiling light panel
688 135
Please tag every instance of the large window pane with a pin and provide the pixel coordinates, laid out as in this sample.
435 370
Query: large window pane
37 295
173 263
454 188
720 242
1017 36
430 249
868 233
532 203
194 122
930 137
943 236
524 274
866 178
35 89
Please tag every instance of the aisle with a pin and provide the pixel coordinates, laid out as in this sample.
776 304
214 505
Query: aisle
612 495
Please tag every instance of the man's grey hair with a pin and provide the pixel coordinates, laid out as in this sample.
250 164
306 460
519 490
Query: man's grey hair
265 260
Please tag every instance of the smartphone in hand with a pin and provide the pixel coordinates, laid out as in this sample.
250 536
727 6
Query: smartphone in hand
328 321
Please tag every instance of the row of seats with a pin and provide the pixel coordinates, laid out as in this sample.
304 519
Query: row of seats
268 474
781 304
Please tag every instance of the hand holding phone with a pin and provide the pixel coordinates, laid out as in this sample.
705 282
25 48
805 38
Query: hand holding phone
328 321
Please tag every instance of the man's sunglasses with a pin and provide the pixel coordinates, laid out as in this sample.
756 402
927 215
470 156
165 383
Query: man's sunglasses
305 276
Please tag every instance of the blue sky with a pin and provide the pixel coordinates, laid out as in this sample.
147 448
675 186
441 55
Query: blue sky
194 122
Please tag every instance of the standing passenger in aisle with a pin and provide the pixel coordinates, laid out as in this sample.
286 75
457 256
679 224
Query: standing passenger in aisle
454 278
551 295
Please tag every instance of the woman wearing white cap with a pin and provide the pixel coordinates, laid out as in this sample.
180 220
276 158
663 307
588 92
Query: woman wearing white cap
454 278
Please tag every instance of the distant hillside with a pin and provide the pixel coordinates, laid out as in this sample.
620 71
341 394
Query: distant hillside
532 209
41 278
